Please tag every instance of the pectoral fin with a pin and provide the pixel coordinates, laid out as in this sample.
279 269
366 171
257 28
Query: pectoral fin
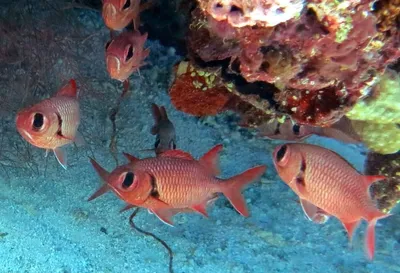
313 212
61 156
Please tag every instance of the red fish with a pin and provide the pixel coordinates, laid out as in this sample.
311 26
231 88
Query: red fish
125 54
163 129
117 14
328 185
341 130
53 122
174 180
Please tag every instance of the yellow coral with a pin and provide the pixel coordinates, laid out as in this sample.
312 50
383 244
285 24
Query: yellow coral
381 138
383 109
375 119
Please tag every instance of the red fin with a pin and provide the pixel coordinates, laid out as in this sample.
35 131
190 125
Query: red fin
131 158
100 170
69 90
233 186
145 54
103 189
370 234
104 175
350 228
370 179
201 208
210 160
177 154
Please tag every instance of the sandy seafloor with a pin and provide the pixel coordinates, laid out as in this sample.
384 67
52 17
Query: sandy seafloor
51 228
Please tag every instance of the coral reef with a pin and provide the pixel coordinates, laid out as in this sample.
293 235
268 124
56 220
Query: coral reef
322 56
376 117
385 192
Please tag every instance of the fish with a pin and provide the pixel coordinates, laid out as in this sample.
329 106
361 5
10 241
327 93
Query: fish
125 54
328 185
53 123
342 131
163 129
175 181
118 14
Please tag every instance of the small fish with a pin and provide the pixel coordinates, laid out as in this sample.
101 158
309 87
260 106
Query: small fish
288 130
163 129
53 123
117 14
328 185
125 54
174 180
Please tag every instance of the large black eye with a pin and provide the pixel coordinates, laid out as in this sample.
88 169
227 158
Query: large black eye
281 153
38 121
128 181
127 4
296 129
130 53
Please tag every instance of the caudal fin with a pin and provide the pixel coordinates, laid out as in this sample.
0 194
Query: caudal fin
370 234
232 188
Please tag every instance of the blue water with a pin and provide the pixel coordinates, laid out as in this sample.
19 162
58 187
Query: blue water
49 227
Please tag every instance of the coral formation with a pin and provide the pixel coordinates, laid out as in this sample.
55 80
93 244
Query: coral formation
322 56
385 192
198 92
376 117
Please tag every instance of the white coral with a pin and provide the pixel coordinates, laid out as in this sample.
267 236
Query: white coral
240 13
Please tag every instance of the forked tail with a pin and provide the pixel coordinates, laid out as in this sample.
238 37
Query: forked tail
233 186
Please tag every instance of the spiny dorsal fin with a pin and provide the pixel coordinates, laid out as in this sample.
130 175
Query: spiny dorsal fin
210 160
69 90
177 154
131 158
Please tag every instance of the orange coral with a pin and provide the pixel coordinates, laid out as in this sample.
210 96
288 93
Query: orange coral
198 92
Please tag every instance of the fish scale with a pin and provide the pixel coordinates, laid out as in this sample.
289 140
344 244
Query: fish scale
176 177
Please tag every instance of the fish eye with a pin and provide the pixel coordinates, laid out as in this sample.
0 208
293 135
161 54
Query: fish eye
38 121
127 4
130 53
296 129
281 153
128 180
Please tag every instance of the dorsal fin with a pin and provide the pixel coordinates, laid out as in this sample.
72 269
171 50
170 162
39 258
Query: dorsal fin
100 170
177 154
69 90
370 179
104 176
131 158
210 160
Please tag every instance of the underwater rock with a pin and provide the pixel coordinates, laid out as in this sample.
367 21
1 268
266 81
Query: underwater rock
327 54
385 192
